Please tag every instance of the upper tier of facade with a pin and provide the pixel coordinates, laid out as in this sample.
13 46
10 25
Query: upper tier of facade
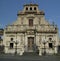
31 9
31 18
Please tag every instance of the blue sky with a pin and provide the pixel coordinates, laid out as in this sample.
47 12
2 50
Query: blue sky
9 9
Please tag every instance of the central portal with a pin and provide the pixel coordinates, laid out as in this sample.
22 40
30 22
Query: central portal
30 44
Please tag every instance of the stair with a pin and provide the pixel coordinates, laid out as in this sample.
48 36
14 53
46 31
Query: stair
31 54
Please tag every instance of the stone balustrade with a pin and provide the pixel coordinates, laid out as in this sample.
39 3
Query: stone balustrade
35 27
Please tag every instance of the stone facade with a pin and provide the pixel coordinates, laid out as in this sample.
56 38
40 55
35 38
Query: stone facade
31 32
1 37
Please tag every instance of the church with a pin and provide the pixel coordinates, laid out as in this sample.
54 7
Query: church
31 32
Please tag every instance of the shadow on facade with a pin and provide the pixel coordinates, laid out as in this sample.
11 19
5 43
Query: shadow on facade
2 49
59 49
35 48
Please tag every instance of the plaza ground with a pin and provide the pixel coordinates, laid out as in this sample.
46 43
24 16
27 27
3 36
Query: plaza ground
29 58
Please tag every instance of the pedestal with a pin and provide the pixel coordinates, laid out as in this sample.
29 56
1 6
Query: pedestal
21 53
55 50
40 52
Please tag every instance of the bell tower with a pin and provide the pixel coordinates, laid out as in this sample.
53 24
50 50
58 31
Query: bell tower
30 8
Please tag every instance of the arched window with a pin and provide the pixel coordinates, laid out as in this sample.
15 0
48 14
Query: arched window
50 39
11 39
26 8
30 8
34 8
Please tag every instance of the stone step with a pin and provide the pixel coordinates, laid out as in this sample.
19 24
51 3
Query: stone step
30 54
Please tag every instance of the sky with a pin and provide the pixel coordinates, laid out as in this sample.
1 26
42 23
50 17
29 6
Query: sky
9 9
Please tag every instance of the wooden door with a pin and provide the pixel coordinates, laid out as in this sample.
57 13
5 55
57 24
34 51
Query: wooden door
30 43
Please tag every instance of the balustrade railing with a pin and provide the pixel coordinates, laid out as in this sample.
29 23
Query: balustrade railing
38 28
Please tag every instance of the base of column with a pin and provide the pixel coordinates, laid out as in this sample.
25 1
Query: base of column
21 53
40 54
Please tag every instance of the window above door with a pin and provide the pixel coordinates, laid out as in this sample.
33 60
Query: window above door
30 22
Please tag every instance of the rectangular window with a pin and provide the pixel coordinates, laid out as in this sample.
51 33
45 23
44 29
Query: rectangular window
50 45
11 45
30 22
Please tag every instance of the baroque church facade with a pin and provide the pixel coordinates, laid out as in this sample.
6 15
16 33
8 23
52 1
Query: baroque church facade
31 32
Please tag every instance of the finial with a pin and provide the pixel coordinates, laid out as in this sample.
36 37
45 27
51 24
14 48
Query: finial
30 1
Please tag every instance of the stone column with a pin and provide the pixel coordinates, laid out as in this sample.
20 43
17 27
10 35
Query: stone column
21 51
6 49
55 50
40 51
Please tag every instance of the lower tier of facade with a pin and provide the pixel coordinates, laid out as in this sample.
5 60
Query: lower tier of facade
41 51
41 43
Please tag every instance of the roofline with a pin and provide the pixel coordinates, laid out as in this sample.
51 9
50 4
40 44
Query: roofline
31 4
